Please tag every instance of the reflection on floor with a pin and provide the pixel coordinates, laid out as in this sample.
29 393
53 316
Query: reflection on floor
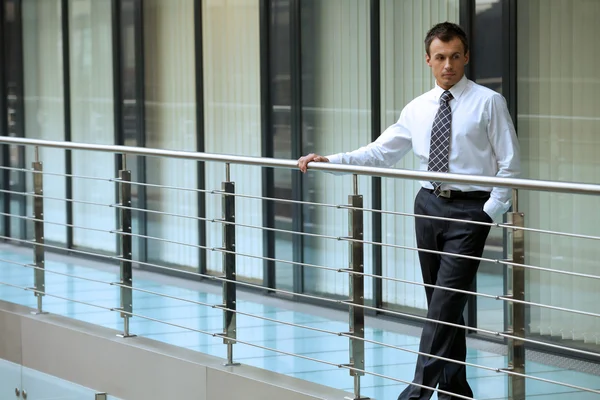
486 383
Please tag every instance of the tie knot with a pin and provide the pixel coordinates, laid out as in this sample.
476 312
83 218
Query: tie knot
446 97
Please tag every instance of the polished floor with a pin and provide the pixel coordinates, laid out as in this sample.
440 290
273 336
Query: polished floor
183 317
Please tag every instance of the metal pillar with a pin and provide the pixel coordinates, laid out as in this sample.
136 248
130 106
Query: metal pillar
126 249
229 287
516 316
357 287
39 273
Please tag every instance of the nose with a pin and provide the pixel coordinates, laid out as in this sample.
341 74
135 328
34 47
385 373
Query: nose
448 65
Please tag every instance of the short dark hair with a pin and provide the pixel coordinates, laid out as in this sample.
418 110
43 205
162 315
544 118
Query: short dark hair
446 31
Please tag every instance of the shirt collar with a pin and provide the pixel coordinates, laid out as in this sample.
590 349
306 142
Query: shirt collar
456 90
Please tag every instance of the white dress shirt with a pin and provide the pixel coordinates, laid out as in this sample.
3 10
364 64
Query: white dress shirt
483 140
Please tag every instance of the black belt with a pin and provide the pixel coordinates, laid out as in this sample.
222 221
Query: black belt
457 194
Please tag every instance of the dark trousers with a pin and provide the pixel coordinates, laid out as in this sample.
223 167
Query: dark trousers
443 305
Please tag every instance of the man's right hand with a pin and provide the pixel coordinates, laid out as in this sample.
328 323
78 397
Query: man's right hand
303 161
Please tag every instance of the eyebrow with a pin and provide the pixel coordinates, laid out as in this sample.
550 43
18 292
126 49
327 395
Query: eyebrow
441 54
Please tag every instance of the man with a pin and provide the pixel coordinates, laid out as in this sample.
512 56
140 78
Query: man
457 127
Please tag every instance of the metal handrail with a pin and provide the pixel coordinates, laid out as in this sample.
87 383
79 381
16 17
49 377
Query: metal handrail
514 332
514 183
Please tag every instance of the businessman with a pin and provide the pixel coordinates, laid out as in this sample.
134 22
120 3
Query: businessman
456 127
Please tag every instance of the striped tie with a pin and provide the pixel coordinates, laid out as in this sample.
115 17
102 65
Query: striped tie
439 148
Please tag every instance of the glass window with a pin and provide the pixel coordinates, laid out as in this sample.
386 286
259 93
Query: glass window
171 124
281 97
558 125
92 121
232 124
336 117
44 105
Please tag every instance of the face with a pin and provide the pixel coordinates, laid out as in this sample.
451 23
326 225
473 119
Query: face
447 61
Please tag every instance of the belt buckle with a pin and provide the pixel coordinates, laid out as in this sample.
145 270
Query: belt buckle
446 193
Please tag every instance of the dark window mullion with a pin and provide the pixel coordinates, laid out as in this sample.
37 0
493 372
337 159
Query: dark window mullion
375 132
296 124
140 101
267 139
67 120
117 101
467 14
4 124
201 184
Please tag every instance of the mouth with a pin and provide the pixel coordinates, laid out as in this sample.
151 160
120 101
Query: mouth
447 75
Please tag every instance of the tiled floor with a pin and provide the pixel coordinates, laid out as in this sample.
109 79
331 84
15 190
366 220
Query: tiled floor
322 346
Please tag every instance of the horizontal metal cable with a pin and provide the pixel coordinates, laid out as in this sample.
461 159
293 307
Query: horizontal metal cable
350 336
343 334
223 308
495 333
342 270
13 262
554 271
514 183
54 223
405 214
56 174
279 200
33 266
34 290
277 230
491 260
223 336
221 279
468 364
501 334
493 224
31 194
350 304
221 250
33 242
468 292
555 233
117 180
119 206
398 246
161 240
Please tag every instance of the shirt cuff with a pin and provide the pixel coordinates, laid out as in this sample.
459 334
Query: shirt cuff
494 208
335 158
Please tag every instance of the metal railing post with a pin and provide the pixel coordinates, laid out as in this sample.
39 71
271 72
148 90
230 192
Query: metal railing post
126 248
229 287
516 316
357 287
39 273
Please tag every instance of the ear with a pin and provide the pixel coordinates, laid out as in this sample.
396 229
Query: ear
467 56
428 59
